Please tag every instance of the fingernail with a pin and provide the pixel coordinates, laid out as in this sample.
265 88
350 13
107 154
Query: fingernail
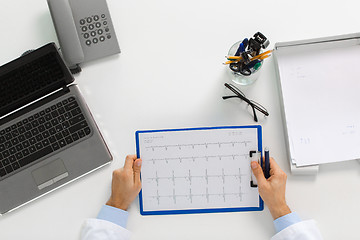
138 163
253 165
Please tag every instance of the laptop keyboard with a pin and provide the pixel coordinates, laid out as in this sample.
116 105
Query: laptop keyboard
41 134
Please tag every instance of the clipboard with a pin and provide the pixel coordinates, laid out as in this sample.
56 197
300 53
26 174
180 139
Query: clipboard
198 170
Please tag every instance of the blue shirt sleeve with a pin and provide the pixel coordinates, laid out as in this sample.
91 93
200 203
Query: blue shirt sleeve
114 215
286 221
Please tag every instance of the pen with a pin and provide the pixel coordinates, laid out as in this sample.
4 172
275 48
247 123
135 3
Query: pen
252 63
237 59
267 162
241 47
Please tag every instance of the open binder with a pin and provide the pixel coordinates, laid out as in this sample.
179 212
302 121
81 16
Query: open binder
319 89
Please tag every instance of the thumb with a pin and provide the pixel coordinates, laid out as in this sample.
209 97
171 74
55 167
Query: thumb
258 173
137 169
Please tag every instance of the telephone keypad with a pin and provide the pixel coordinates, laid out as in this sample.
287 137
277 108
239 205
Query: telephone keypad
90 34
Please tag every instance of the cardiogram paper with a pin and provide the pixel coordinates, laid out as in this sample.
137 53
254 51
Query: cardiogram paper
197 169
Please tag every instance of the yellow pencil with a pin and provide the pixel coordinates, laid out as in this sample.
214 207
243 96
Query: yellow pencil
234 57
262 54
230 61
263 57
255 57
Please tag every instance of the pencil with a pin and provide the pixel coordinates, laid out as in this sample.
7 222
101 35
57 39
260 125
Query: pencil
263 57
233 57
262 54
255 57
228 62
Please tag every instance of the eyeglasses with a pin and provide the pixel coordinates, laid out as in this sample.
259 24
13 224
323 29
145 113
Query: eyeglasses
254 105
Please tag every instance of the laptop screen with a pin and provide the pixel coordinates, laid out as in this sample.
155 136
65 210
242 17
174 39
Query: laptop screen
32 76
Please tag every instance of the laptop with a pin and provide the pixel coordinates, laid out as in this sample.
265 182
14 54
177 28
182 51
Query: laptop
48 136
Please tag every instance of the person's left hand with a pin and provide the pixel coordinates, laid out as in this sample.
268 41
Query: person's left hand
126 183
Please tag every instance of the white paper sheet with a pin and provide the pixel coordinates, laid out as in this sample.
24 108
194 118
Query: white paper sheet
197 169
321 93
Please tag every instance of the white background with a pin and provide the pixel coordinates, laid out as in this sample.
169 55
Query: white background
170 75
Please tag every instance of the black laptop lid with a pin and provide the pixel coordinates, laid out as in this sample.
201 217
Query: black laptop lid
32 76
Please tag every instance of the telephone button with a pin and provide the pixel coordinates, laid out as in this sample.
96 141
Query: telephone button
100 31
105 22
95 40
93 33
84 28
88 42
89 19
102 38
82 21
109 36
96 17
86 35
103 15
91 26
106 29
98 24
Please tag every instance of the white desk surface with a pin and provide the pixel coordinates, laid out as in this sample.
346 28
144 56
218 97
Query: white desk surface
170 75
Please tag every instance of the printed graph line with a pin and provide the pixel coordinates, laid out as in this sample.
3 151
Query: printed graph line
190 177
206 157
193 145
191 196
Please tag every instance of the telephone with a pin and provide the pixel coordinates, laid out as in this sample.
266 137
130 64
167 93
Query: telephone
84 30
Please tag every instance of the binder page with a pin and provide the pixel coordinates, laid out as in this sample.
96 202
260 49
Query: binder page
197 169
321 97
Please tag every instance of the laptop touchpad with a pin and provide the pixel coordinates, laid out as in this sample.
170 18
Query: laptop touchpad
50 173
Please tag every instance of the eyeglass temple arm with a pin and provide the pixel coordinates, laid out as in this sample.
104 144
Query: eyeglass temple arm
250 103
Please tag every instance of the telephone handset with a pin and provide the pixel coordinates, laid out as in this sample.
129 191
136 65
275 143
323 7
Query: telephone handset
84 30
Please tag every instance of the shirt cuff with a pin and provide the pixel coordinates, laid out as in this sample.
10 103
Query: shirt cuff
114 215
286 221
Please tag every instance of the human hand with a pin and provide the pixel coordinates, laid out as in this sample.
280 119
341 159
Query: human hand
272 190
126 183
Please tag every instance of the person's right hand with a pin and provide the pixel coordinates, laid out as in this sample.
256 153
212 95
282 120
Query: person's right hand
272 190
126 183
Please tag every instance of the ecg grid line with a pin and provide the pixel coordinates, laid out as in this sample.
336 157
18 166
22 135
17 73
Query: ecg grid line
180 146
206 157
190 178
190 196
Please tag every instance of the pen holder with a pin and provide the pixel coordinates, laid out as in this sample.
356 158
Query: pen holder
239 78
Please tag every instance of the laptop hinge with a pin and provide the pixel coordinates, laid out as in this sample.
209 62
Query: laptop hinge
33 105
66 89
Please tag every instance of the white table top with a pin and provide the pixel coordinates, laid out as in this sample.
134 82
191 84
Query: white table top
170 75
